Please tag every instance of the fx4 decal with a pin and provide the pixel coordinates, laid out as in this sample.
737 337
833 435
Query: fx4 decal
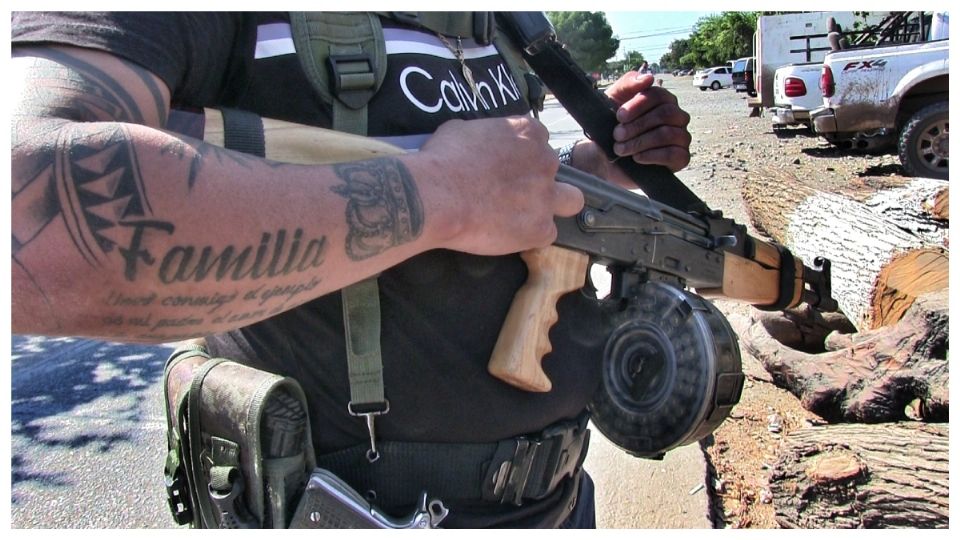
863 65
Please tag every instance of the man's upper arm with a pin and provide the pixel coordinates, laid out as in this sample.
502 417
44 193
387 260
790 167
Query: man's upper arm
83 85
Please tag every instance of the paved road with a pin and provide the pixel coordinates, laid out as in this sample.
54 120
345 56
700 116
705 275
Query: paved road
87 434
87 438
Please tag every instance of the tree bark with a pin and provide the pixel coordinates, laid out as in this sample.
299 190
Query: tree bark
920 205
883 255
871 376
863 476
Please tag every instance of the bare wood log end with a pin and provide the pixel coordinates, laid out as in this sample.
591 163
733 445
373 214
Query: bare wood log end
908 276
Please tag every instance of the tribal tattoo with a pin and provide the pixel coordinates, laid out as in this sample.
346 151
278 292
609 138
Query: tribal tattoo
383 206
78 168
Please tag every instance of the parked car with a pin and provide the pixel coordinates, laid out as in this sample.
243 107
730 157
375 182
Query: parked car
714 78
743 76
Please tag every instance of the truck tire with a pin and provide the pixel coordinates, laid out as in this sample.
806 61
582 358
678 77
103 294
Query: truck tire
924 142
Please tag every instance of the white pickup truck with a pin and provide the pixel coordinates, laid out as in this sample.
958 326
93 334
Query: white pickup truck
890 95
796 92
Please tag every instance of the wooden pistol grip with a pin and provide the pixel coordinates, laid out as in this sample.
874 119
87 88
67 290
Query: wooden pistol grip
524 339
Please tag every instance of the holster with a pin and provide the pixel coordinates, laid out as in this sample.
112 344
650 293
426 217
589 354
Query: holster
239 443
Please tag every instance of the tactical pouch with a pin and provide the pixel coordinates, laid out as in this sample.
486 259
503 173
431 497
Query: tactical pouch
239 444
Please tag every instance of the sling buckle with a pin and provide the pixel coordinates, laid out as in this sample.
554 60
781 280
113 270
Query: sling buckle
352 78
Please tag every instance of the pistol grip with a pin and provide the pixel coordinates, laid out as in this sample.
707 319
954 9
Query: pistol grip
525 337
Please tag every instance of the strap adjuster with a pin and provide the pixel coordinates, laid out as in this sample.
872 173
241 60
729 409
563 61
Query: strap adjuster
352 78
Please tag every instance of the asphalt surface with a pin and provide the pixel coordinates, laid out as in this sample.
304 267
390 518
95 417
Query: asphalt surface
88 438
87 434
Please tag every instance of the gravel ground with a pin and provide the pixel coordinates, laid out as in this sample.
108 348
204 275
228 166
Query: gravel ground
727 146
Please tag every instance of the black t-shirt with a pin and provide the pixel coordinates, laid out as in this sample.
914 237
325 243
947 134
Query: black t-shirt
442 310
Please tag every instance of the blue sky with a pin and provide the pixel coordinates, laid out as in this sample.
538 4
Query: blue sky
651 32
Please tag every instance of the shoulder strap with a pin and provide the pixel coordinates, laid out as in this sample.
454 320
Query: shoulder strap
345 59
527 82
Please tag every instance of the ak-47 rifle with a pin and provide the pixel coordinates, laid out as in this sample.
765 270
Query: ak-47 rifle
653 247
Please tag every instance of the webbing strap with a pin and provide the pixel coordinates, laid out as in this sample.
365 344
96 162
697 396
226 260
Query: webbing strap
361 320
344 57
243 132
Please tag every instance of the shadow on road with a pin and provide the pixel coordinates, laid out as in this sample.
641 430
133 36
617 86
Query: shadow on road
56 379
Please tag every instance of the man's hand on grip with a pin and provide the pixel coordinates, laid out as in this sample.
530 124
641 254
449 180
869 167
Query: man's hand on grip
499 193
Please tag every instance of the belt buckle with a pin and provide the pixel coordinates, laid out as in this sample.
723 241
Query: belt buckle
539 464
511 477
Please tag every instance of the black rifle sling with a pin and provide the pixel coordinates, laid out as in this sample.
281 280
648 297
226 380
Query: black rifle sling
596 114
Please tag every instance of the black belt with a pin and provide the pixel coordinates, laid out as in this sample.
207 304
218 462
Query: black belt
508 471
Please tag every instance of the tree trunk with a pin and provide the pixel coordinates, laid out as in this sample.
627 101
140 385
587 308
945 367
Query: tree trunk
863 476
883 256
871 376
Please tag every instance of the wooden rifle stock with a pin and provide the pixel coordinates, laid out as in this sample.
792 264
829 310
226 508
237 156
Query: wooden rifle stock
553 270
304 145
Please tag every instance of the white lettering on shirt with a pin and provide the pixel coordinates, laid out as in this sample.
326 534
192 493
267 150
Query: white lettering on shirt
413 99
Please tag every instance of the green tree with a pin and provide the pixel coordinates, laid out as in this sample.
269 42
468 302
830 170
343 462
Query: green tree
672 58
587 36
717 39
631 61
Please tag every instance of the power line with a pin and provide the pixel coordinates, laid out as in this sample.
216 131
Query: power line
664 32
651 35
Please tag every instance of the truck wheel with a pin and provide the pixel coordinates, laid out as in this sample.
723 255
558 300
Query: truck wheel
924 142
715 85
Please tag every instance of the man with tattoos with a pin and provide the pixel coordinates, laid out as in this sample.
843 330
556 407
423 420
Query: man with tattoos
124 229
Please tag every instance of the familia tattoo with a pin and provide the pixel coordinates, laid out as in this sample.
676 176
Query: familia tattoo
87 177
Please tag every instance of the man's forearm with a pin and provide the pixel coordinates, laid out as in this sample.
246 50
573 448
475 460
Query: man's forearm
169 238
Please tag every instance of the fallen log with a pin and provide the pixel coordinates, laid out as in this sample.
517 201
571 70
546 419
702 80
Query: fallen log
882 375
931 196
863 476
881 260
921 205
